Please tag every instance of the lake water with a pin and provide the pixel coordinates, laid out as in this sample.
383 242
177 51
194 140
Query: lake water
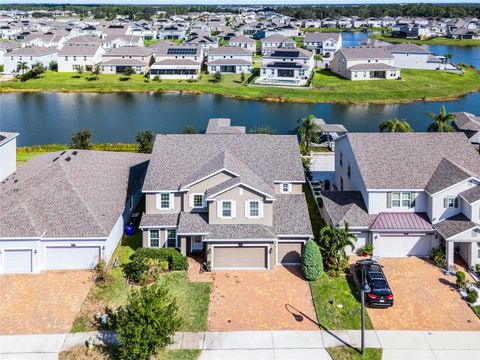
43 118
466 55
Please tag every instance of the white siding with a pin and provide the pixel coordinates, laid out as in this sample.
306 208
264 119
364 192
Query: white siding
8 158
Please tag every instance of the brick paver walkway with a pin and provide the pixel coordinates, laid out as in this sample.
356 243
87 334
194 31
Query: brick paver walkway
42 303
425 299
261 300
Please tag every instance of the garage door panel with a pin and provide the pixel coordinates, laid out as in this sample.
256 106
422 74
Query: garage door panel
289 253
406 245
18 261
72 257
244 257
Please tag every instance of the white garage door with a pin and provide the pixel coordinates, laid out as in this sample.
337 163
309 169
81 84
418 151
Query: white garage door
71 257
18 261
404 245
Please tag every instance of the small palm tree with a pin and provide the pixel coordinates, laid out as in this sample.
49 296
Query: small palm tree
448 58
442 122
334 241
22 66
395 125
308 131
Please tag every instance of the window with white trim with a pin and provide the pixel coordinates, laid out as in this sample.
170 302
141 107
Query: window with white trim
285 188
254 208
226 209
197 200
154 238
171 238
401 199
164 201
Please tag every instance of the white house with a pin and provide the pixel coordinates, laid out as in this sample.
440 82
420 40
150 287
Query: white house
181 62
323 43
287 67
273 42
30 55
407 193
8 154
365 63
412 56
244 42
73 56
229 59
46 40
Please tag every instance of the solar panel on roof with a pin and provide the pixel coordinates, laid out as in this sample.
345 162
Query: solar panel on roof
181 51
286 53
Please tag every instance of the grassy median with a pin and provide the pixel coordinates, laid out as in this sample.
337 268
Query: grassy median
415 85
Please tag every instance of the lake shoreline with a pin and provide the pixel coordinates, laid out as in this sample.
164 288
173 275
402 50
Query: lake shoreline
247 98
469 43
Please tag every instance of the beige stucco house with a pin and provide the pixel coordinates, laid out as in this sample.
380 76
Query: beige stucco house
233 197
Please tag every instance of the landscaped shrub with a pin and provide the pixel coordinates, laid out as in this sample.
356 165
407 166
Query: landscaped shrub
312 264
472 296
147 323
438 257
461 279
140 263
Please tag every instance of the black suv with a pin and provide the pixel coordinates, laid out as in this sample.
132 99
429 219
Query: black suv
380 294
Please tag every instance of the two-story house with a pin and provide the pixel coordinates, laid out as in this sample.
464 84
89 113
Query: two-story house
287 67
365 63
273 42
229 59
75 55
244 42
117 60
234 197
177 62
323 43
407 193
31 55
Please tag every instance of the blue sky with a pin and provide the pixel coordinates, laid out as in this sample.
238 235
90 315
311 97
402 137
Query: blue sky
214 2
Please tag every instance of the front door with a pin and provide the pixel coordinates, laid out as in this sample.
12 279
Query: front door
197 244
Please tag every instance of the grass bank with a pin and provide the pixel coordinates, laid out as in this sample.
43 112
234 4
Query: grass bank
25 153
111 353
346 353
326 87
337 29
429 41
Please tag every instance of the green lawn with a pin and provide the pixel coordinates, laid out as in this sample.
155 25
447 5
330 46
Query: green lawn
150 42
476 310
328 293
347 353
179 355
192 298
327 87
429 41
111 353
337 29
315 218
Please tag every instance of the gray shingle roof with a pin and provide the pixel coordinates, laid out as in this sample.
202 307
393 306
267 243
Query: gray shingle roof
230 50
471 195
153 220
87 49
277 38
222 126
123 62
177 159
404 48
366 52
445 175
290 215
7 136
371 66
229 62
467 121
347 206
320 37
129 51
33 51
69 194
414 156
242 39
454 226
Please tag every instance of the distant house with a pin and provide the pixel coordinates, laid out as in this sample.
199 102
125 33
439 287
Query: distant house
67 210
244 42
8 152
6 46
205 42
272 43
31 55
412 56
177 62
115 41
469 124
117 60
45 40
172 33
287 67
323 43
365 63
229 59
75 55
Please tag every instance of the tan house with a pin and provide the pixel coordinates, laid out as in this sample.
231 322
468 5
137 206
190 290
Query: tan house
234 197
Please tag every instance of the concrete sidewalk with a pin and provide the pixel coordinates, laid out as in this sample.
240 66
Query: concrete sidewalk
269 344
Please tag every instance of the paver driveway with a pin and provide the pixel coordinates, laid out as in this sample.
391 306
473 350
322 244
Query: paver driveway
42 303
261 300
425 299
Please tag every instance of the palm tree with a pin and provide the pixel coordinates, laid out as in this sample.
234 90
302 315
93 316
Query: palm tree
395 125
22 66
448 57
308 131
334 242
442 122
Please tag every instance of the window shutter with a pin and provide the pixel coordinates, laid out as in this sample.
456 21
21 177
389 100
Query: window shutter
389 200
247 209
260 209
456 202
190 201
412 199
157 201
289 188
445 203
234 209
219 209
171 201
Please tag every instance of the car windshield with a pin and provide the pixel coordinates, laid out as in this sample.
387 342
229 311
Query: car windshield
380 287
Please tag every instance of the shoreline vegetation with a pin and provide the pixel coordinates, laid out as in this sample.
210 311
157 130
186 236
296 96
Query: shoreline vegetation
428 41
326 87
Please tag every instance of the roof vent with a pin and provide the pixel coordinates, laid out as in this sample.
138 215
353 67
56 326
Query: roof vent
55 159
74 152
68 158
